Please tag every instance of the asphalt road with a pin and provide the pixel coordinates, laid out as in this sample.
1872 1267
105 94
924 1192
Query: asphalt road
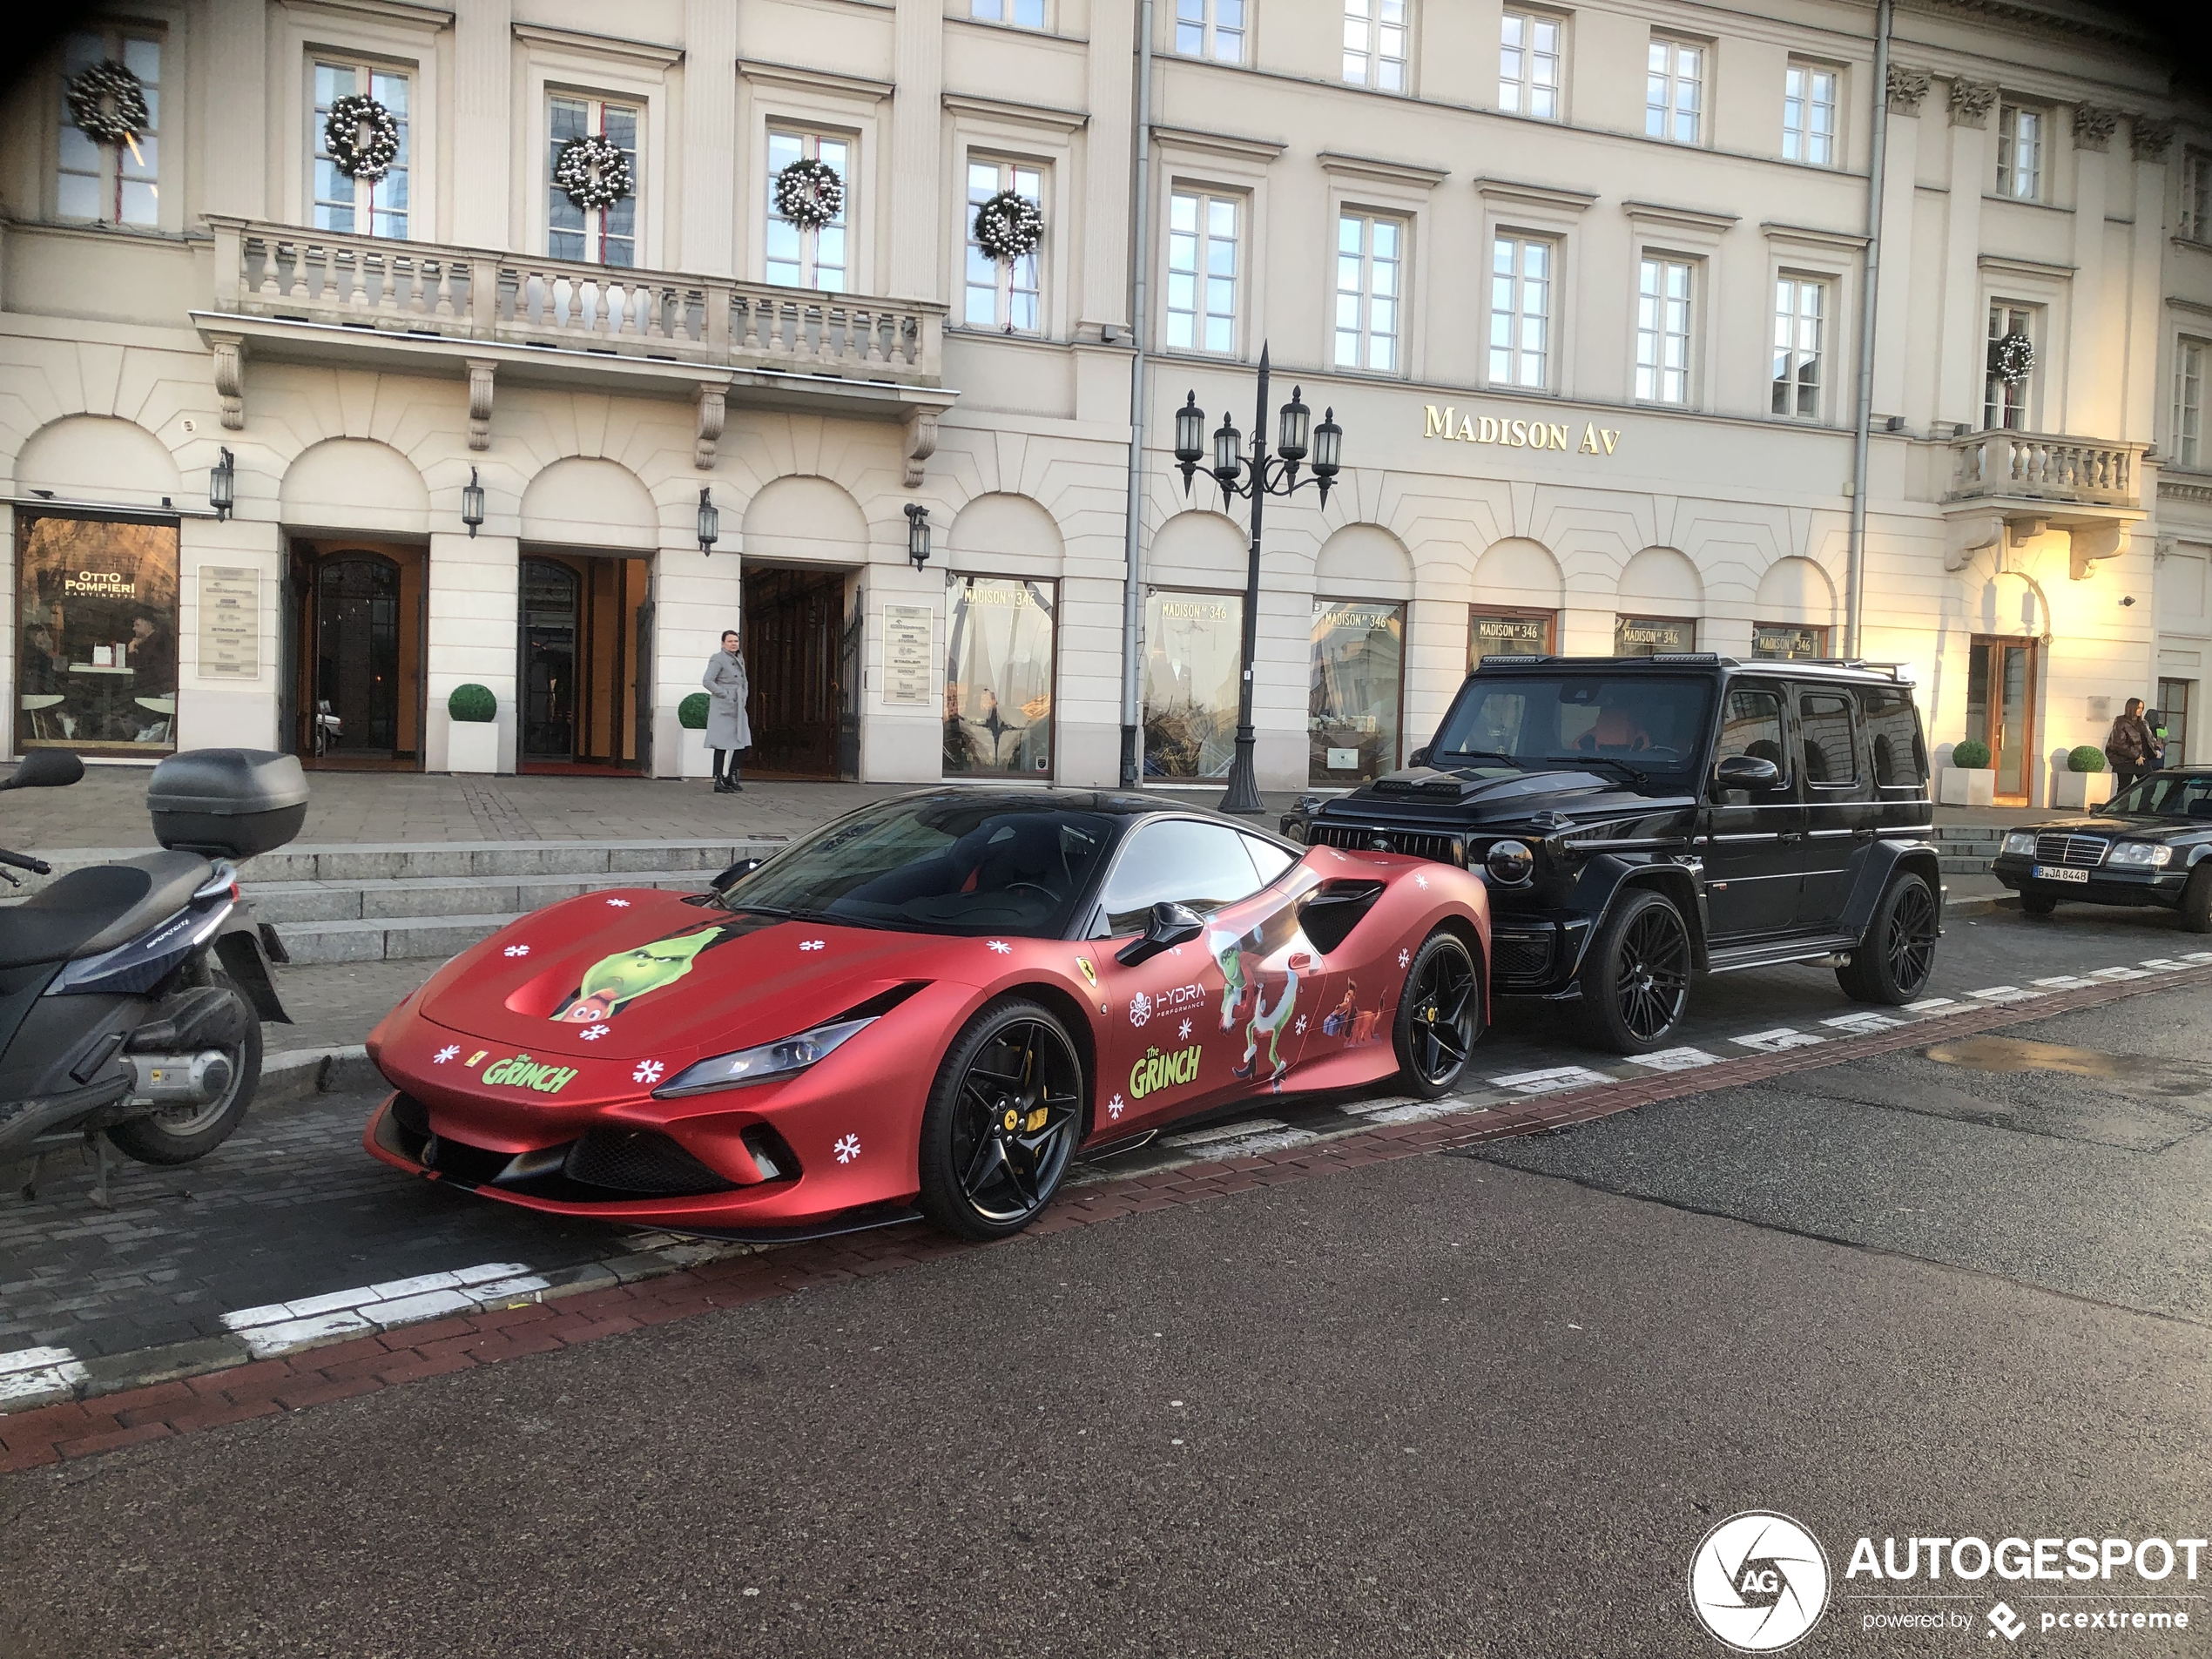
1446 1406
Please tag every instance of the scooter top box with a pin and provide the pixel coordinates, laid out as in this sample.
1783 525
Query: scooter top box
227 803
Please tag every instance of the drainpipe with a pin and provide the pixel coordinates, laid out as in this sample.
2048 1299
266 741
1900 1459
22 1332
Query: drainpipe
1855 576
1133 527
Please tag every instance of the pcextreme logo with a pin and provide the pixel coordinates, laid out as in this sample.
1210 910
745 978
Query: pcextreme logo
1758 1581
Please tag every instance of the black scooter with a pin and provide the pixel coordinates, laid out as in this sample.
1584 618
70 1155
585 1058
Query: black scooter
131 994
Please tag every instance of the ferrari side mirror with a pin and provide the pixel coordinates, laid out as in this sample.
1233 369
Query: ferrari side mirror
1171 925
742 868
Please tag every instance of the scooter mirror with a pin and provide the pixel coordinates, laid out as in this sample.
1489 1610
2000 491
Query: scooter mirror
44 769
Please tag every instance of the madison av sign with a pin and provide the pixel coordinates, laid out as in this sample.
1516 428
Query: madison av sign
1452 427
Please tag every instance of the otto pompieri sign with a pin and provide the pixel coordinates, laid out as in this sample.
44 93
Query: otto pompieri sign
1452 427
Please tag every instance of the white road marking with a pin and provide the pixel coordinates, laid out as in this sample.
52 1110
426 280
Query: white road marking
1675 1059
1225 1131
2003 993
1776 1041
28 1372
1419 1111
1279 1140
1929 1004
2119 973
1551 1080
279 1327
2063 983
2162 964
2198 956
1862 1023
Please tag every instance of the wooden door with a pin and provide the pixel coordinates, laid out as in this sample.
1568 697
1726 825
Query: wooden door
792 631
2000 711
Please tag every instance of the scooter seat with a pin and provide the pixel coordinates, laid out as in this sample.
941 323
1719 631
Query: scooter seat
97 908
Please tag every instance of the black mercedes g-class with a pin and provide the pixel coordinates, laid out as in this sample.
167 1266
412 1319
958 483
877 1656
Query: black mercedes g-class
1642 821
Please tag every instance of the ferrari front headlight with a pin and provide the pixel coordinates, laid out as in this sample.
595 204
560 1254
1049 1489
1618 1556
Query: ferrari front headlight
2142 854
766 1063
2020 841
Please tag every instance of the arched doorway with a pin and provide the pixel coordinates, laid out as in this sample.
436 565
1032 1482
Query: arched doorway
354 632
584 648
549 593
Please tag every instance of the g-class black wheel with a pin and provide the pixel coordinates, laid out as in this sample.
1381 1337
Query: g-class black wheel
1893 960
1002 1121
1440 1015
1635 979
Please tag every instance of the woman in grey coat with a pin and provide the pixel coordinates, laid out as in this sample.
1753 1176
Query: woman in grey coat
728 730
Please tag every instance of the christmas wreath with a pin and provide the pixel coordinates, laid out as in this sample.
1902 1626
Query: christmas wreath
592 171
362 136
107 102
1009 225
2012 358
809 193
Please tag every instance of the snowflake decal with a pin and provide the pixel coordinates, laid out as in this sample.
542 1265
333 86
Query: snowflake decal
847 1149
648 1071
1421 881
623 904
451 1051
1404 958
813 944
593 1032
1301 1027
518 950
1000 947
1114 1107
1183 1031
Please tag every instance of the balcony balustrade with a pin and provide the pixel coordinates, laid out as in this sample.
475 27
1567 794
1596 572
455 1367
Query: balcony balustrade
2035 466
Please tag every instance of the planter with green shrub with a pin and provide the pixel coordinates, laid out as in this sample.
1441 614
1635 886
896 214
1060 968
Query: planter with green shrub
1968 780
475 704
472 739
690 713
2085 783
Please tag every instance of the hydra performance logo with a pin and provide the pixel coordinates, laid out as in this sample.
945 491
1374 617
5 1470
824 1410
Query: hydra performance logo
1758 1581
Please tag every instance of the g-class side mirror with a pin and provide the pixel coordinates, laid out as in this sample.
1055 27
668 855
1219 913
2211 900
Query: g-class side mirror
45 769
1418 757
1171 925
1746 772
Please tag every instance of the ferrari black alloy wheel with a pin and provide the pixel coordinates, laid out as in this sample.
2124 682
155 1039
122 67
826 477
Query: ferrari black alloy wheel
1003 1123
1635 979
1440 1015
1893 962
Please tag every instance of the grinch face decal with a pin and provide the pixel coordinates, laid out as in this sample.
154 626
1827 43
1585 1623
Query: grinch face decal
613 983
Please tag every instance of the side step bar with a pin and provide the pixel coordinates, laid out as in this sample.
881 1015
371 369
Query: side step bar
1738 958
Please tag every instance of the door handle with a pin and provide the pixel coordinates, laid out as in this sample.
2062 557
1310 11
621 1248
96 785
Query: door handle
1791 837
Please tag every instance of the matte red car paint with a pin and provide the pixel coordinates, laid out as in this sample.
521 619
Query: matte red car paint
568 1019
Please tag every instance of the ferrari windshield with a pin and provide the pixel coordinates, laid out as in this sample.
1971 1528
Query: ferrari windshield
1643 721
2166 795
974 864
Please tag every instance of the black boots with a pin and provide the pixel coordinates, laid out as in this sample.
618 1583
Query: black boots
728 786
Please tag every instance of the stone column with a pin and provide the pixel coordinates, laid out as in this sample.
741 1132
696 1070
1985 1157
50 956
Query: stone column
2094 362
2143 185
1101 192
474 600
1959 348
236 157
709 227
214 710
911 172
485 206
1894 286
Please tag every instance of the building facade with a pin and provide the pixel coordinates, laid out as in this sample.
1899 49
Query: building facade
355 351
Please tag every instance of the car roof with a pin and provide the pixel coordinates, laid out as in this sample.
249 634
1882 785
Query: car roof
1031 798
1854 669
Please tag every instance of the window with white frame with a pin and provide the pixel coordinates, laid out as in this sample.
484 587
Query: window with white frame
1001 293
2005 402
809 256
2188 401
1673 90
1521 311
1809 115
1212 29
1022 14
2196 195
1374 44
364 205
1663 331
2020 153
1202 271
1370 261
1529 65
1800 318
111 184
598 235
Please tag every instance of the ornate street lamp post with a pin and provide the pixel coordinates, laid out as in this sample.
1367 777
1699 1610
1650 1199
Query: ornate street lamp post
1268 475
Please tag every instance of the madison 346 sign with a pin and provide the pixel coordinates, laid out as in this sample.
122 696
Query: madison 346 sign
1452 427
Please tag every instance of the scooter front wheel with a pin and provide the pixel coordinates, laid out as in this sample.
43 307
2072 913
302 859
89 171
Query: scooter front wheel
179 1133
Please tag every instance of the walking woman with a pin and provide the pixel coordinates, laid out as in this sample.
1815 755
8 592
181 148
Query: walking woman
728 730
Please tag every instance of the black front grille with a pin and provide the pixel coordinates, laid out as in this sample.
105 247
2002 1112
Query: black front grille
2076 852
641 1161
1417 844
1521 956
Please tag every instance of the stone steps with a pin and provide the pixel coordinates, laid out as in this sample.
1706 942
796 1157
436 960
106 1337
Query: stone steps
1966 849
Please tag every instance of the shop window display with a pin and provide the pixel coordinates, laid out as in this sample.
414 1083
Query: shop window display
96 661
1352 708
998 676
1507 633
1193 645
